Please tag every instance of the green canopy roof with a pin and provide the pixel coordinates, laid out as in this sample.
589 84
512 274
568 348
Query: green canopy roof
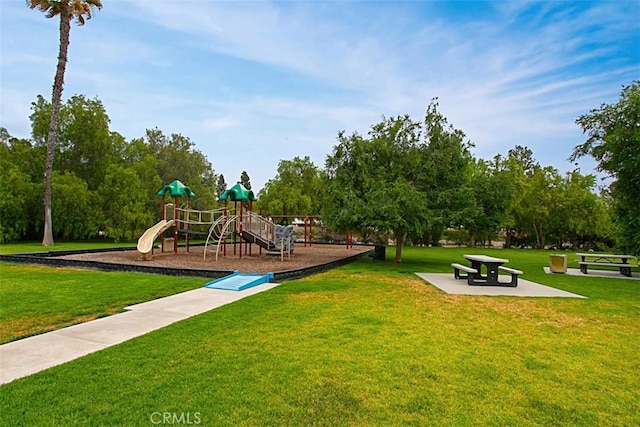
238 193
176 189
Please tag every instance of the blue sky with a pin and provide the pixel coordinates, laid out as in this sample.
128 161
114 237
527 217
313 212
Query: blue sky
253 83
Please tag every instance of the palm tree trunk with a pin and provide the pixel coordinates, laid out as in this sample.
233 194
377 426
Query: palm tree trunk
56 99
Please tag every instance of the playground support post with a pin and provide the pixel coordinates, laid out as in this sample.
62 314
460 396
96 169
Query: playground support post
176 220
163 216
307 220
241 220
250 223
188 220
224 213
349 239
260 247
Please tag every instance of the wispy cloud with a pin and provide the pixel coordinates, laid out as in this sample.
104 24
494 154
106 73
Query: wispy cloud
280 79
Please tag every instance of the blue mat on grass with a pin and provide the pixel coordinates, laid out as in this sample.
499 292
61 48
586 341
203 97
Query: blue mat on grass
238 281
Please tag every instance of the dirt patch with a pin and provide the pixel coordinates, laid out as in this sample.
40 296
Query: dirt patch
252 260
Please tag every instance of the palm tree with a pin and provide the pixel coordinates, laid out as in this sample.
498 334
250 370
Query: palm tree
66 10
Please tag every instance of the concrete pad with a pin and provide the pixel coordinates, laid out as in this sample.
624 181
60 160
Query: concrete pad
30 355
592 272
447 283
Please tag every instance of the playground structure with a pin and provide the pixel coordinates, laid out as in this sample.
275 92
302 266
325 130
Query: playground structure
238 225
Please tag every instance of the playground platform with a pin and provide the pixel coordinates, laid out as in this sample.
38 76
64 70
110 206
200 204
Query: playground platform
34 354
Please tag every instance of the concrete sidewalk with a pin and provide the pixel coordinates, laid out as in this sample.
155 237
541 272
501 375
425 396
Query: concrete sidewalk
30 355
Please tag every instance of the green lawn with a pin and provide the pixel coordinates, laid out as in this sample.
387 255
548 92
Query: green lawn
366 344
12 248
37 299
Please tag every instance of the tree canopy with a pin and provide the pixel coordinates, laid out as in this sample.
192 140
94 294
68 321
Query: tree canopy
295 190
613 140
395 181
409 181
100 181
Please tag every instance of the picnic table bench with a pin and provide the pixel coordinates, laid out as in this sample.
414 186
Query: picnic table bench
609 260
492 266
459 267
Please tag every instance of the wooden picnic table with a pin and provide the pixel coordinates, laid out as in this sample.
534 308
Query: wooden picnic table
610 260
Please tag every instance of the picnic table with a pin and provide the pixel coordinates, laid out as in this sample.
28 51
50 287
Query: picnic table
610 260
489 264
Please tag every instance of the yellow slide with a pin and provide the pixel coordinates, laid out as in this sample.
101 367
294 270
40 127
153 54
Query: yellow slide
145 242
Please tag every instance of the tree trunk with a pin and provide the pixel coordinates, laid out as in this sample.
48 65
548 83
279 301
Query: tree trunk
400 236
56 99
472 237
507 239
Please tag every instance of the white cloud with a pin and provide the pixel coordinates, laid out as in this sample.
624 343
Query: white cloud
276 80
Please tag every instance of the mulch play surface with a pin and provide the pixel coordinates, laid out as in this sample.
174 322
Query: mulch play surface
303 257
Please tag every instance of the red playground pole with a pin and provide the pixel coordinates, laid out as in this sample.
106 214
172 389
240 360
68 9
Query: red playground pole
188 224
175 225
240 229
306 218
250 226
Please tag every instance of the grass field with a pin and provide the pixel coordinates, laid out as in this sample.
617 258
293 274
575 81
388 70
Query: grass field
12 248
39 299
365 344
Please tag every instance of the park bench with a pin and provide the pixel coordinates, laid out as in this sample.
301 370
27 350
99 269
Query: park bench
625 268
514 274
608 260
456 270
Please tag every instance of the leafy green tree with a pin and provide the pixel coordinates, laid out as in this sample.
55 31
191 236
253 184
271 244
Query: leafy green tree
221 186
177 158
444 169
518 167
580 216
245 180
546 208
613 140
21 165
138 157
398 182
492 192
125 213
14 206
15 188
26 156
296 189
85 145
66 10
524 157
77 214
371 183
539 203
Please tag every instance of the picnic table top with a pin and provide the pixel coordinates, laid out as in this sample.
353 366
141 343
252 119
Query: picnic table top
596 255
485 258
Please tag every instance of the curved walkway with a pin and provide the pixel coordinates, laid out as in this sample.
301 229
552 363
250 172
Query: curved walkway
30 355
